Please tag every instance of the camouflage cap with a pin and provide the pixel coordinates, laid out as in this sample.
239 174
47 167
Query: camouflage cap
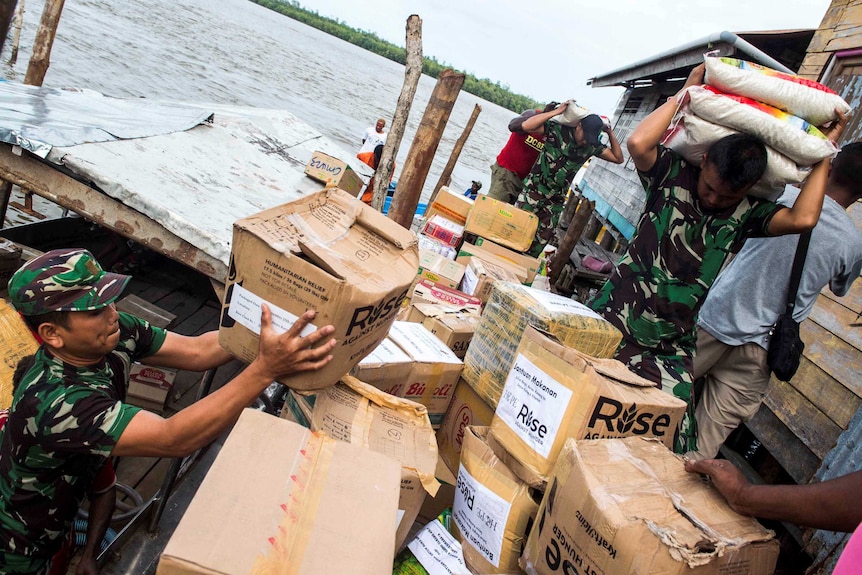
64 280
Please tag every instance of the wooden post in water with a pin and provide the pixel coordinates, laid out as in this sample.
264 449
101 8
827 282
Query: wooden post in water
446 176
424 145
573 234
16 35
41 57
412 73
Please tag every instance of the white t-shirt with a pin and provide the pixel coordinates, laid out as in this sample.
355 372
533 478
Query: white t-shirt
372 140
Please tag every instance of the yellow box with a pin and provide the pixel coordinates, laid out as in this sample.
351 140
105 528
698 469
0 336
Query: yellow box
502 223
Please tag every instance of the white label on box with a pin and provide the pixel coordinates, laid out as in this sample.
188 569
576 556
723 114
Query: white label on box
533 404
420 344
245 309
558 303
437 551
481 516
470 281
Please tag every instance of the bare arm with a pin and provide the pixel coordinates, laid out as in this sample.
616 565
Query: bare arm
536 124
100 511
644 140
834 505
149 435
517 123
806 210
615 152
198 353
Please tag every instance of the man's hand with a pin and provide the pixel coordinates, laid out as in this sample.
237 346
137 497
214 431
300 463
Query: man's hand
288 353
729 481
833 130
87 565
695 77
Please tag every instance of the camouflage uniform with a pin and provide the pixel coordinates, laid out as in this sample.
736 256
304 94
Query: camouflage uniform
545 188
63 424
661 281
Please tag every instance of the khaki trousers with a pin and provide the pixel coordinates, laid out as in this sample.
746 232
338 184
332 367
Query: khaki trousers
735 382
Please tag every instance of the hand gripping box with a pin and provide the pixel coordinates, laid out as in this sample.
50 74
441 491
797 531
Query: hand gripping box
493 509
627 506
281 497
361 414
554 393
328 252
508 312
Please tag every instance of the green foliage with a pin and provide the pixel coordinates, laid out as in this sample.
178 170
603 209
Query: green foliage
483 88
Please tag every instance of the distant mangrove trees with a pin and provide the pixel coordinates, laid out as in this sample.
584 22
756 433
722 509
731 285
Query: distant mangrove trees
483 88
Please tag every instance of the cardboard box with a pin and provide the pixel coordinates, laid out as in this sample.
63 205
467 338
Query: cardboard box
149 386
480 276
502 223
439 269
485 247
443 230
328 252
525 273
622 506
429 292
361 414
466 409
452 325
298 408
436 246
323 167
385 365
433 370
493 509
451 205
17 342
508 312
278 493
434 506
554 393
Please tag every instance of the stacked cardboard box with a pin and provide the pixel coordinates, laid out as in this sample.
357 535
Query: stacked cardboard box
466 409
17 342
149 386
325 168
451 205
453 325
502 223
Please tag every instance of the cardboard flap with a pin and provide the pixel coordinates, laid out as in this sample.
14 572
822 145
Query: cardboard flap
617 371
386 228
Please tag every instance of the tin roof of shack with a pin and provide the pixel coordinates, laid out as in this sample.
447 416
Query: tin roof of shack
779 49
172 176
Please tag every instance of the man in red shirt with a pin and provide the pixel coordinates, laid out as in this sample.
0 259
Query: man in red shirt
516 158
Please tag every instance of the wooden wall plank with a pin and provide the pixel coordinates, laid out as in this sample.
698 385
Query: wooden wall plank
805 421
837 362
783 445
837 318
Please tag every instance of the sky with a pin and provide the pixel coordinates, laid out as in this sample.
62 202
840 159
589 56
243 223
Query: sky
548 49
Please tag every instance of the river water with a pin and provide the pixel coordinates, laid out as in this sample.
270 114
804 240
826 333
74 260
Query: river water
236 52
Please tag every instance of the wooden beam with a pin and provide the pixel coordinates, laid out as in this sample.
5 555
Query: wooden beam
446 175
809 424
40 59
784 446
95 206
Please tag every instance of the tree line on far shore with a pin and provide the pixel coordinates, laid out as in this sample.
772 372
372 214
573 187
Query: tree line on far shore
483 88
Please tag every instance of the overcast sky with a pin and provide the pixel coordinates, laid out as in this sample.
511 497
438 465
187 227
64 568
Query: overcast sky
548 49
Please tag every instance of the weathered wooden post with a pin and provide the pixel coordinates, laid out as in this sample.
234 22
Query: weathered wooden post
424 145
412 73
446 175
16 35
41 57
7 9
573 234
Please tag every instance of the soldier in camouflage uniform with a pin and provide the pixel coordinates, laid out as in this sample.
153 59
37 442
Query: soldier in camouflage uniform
694 218
68 413
566 150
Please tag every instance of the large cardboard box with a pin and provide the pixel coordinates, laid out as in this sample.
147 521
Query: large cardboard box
149 386
493 508
277 495
466 409
452 325
554 393
361 414
480 276
623 506
502 223
323 168
439 269
328 252
489 251
508 312
385 366
451 205
17 342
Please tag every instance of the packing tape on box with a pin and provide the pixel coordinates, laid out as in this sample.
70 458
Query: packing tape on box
307 484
